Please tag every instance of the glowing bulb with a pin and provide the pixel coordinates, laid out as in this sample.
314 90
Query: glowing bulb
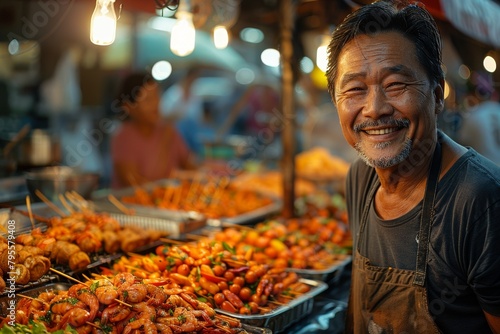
221 37
103 23
322 54
183 34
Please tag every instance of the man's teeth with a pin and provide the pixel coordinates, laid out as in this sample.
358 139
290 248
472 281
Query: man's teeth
381 131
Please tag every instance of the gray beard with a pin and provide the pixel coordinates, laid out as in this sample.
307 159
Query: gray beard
385 162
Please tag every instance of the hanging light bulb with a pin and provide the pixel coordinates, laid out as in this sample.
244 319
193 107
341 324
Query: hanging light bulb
182 38
322 54
221 37
103 23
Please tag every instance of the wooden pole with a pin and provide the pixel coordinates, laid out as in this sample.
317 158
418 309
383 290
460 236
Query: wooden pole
287 11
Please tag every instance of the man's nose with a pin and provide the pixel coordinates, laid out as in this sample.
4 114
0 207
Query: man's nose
376 103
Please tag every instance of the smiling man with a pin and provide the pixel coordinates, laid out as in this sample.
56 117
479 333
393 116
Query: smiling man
424 210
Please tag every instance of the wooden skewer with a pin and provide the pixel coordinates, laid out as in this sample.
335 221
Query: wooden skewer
32 298
49 203
78 196
120 205
65 204
93 325
28 205
172 241
77 281
67 276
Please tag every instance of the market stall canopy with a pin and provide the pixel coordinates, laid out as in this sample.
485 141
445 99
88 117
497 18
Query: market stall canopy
478 19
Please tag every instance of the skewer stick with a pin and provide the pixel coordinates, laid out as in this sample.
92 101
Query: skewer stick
73 200
78 196
120 205
65 204
32 298
28 205
67 276
77 281
93 325
49 203
172 241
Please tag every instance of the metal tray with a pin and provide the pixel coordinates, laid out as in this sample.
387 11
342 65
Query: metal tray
22 222
61 286
326 275
101 203
284 316
174 227
44 281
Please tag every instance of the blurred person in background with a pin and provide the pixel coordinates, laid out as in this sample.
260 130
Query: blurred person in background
182 106
145 148
424 211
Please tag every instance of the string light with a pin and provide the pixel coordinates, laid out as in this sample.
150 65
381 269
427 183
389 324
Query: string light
183 36
221 37
103 23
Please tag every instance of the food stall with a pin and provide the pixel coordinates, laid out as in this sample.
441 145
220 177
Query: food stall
264 250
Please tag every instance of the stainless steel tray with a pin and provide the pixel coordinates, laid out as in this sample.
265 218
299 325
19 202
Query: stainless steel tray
326 275
101 203
284 316
61 286
45 282
174 227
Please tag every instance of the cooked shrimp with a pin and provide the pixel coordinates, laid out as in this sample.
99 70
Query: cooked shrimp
64 306
123 280
115 313
178 301
183 320
136 293
145 311
82 293
148 327
75 317
197 304
106 294
163 329
158 296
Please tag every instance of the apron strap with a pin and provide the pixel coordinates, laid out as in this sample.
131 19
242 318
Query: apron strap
427 217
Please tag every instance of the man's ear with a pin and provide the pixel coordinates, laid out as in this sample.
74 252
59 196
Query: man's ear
439 96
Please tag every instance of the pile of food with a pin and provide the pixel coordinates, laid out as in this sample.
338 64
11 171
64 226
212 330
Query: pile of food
69 241
213 199
123 304
318 164
217 274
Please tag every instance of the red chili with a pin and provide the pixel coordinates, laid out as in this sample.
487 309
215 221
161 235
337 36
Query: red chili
212 278
233 299
227 306
238 270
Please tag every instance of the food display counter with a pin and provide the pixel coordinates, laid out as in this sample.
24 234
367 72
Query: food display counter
251 271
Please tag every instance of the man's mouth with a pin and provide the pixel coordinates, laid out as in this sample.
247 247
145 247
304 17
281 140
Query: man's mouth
381 131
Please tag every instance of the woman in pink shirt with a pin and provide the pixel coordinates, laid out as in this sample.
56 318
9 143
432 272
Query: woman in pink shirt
145 148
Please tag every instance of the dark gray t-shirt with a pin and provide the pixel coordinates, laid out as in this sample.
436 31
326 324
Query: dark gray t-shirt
463 276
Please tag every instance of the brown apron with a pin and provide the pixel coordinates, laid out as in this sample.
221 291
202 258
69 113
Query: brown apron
389 300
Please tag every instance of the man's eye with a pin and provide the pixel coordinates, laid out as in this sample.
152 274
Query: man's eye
396 85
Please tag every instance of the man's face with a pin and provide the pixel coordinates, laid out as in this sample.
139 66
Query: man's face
385 100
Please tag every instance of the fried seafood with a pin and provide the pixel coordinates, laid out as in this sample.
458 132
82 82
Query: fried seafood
158 312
